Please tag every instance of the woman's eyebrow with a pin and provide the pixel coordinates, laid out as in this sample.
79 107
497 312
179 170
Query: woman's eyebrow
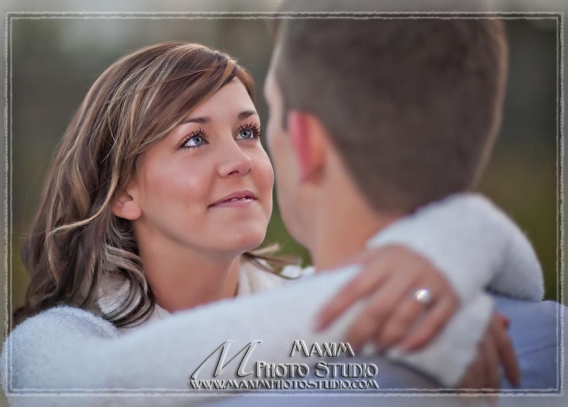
200 120
205 120
246 113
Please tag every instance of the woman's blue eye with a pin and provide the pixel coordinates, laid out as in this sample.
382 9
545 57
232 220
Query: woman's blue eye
246 134
194 141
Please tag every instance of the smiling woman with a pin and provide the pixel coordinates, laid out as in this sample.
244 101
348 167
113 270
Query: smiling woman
139 189
210 173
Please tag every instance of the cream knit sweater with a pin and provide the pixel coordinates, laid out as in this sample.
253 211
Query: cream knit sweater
76 352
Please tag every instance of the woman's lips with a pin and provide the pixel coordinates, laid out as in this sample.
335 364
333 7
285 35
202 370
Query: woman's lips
237 203
235 200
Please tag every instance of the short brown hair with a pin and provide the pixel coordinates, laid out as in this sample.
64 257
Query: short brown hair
413 105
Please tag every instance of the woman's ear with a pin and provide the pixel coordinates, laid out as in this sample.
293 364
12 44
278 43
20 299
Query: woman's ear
304 131
125 206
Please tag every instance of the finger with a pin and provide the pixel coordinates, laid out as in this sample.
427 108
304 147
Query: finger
503 319
477 378
490 362
465 381
366 257
378 308
429 326
471 379
399 322
506 353
358 288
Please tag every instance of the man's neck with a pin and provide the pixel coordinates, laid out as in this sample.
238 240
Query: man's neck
340 235
337 219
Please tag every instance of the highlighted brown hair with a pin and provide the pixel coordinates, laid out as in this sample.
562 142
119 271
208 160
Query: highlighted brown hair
76 238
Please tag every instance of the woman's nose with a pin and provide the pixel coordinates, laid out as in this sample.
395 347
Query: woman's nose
234 161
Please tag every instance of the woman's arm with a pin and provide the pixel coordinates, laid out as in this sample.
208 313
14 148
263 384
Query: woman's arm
68 349
72 350
63 350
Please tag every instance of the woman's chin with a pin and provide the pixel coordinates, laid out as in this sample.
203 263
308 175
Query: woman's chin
245 243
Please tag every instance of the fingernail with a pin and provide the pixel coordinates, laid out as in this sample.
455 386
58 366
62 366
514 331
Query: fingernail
397 352
402 349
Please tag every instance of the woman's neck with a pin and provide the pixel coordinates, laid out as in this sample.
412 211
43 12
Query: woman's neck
183 279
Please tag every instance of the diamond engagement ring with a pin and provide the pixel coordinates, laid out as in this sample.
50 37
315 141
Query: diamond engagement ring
423 296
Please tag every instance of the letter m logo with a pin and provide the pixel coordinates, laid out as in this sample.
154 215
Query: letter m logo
222 352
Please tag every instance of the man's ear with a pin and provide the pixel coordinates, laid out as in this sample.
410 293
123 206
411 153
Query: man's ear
305 133
125 206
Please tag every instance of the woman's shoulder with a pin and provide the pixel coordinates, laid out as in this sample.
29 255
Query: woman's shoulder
64 320
52 334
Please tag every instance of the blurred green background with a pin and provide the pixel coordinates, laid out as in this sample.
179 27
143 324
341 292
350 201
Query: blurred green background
56 60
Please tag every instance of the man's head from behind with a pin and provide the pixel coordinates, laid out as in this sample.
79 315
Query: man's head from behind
410 105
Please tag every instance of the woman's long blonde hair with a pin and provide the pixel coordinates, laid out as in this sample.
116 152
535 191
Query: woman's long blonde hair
76 238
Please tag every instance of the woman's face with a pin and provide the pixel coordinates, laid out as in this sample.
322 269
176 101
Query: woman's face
207 185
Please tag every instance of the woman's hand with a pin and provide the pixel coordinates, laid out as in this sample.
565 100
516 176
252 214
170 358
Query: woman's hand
391 277
494 350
